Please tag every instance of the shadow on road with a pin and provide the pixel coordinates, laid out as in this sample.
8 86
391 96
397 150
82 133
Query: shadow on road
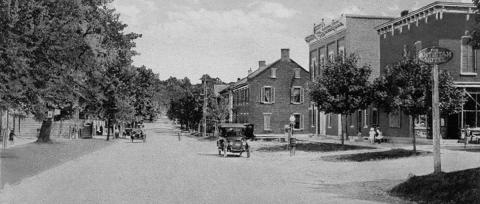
368 191
30 159
313 147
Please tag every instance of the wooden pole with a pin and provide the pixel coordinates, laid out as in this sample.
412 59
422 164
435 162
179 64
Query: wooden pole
437 164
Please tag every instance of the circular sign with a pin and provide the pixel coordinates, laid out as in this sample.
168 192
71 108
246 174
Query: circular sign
435 55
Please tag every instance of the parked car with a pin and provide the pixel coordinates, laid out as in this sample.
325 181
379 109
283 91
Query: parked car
138 134
233 138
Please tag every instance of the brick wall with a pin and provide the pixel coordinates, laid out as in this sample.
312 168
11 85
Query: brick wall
282 108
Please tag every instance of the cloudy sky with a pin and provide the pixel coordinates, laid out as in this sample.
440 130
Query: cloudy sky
224 38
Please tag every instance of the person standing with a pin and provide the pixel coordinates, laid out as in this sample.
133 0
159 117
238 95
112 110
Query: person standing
11 137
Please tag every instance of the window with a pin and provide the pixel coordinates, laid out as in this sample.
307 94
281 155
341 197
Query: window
341 53
298 125
421 122
331 56
274 73
394 119
471 110
267 95
374 117
266 121
329 120
313 68
297 73
297 95
467 56
322 60
365 118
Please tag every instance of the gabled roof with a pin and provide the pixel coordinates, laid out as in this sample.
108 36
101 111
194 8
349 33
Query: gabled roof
257 72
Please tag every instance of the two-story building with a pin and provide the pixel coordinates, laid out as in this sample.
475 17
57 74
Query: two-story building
442 24
269 95
350 34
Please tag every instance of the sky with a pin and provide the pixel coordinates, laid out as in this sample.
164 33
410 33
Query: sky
225 38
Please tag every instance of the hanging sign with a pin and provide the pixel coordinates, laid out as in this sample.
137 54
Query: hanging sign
435 55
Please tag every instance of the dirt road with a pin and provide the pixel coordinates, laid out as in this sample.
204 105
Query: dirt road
166 170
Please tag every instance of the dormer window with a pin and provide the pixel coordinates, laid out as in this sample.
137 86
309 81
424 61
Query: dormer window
274 73
297 73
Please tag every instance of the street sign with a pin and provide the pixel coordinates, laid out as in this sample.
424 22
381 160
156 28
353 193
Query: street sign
56 112
435 55
49 114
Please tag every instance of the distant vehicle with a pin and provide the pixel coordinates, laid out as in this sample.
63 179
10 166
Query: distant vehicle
233 138
138 134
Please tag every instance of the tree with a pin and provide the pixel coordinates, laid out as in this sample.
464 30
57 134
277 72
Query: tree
218 111
407 87
343 88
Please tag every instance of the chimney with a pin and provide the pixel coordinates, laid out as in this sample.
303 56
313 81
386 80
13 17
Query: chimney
262 64
249 71
285 56
403 13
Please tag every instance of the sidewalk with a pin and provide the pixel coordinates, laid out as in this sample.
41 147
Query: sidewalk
20 141
28 159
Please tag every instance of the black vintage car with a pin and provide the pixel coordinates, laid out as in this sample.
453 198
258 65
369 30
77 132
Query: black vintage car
233 138
138 134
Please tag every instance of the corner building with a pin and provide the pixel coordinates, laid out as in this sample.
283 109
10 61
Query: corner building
350 34
442 24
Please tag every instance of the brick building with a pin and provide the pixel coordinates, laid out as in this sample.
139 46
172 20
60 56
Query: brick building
443 24
269 95
351 34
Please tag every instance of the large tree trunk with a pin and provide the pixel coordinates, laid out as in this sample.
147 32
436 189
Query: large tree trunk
45 130
342 137
412 132
108 129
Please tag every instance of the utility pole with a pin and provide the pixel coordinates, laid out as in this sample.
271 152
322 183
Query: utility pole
204 105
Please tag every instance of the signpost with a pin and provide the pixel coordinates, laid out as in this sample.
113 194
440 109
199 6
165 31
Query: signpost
435 56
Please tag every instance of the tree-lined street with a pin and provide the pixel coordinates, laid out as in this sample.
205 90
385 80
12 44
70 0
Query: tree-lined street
165 170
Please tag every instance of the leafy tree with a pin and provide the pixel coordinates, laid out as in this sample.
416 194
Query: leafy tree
407 87
343 88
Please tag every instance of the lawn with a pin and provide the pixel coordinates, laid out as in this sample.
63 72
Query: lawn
369 156
313 147
455 187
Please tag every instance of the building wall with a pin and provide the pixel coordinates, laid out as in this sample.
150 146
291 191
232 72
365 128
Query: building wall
359 38
445 32
282 108
362 39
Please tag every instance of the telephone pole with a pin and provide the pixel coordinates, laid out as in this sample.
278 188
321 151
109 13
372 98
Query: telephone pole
204 105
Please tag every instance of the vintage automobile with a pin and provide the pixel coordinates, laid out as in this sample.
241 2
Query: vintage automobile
233 138
138 134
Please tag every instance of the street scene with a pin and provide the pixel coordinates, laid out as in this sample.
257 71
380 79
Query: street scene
209 101
166 170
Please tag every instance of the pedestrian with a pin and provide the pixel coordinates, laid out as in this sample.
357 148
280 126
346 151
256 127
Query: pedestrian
371 135
378 136
11 136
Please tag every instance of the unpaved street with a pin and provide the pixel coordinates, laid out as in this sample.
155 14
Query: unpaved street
166 170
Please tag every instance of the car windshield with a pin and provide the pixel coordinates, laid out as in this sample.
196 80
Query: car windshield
232 132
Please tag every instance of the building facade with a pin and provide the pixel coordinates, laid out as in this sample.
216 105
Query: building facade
442 24
269 95
350 34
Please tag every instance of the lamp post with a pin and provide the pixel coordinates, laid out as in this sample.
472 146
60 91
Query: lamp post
291 140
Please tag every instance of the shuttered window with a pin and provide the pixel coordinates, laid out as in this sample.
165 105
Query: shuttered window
267 95
299 121
266 121
297 95
467 56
